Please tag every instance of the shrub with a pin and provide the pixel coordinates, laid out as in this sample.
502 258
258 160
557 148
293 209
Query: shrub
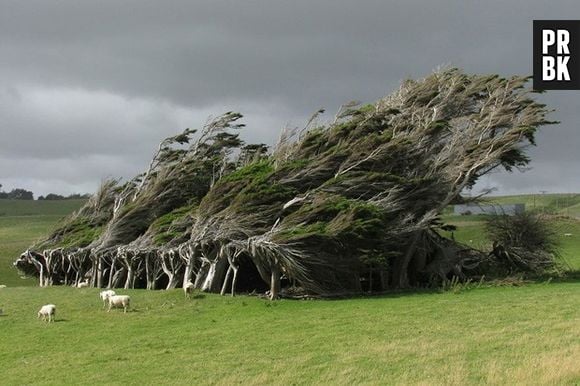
523 243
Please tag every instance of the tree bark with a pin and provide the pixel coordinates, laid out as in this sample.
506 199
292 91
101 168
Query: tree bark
275 282
100 272
225 284
112 272
209 276
115 283
234 280
129 280
190 263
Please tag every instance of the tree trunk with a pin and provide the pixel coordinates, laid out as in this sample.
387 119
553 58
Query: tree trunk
112 272
129 280
189 270
149 272
400 274
234 279
41 278
115 283
172 283
170 264
275 282
221 266
225 284
207 283
100 272
201 275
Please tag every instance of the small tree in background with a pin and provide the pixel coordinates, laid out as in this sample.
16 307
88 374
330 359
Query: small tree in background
524 242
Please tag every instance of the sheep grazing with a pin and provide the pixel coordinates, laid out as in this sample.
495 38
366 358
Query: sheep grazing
119 301
47 311
105 295
188 289
2 285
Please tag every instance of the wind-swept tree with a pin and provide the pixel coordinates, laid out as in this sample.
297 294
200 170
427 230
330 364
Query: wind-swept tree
344 207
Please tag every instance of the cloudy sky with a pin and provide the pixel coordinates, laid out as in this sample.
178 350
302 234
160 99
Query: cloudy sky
89 88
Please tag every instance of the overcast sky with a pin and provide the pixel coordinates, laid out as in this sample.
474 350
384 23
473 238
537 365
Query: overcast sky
89 88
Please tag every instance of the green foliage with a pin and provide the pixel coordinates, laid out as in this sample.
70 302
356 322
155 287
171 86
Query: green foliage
165 221
257 171
170 226
79 233
524 242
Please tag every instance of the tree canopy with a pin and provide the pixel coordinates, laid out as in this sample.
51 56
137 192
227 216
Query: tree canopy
343 207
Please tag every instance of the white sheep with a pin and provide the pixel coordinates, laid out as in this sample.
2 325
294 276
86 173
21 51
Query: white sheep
48 310
188 289
2 285
119 301
105 295
83 284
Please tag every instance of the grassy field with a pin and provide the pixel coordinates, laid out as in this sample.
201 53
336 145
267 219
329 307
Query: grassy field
21 223
29 208
489 335
502 335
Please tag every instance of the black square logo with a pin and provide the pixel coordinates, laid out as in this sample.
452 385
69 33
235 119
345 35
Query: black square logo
557 54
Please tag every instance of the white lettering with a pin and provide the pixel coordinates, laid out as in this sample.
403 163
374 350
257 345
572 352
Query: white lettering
563 40
548 39
548 70
562 62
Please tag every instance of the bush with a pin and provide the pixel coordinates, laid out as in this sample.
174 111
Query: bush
524 243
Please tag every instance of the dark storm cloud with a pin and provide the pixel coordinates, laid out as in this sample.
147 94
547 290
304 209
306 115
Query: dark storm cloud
105 80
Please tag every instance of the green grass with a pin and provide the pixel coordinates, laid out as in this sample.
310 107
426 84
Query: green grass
11 208
505 335
21 224
492 335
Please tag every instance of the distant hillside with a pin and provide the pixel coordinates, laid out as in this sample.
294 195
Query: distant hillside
564 203
10 208
22 222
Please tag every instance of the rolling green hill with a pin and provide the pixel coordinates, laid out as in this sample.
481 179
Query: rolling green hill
21 223
20 208
565 203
